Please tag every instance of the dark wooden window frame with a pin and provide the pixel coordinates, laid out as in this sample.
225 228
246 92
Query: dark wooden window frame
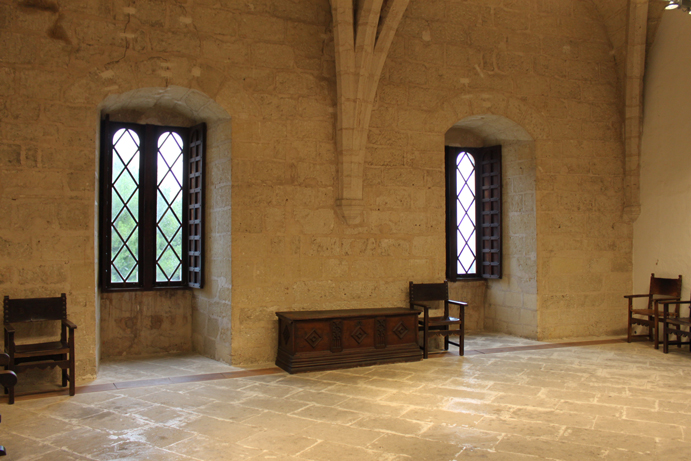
488 208
193 179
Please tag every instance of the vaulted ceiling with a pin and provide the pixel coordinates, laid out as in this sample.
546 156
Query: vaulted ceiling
614 15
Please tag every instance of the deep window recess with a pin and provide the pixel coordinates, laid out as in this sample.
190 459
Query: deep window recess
473 213
152 196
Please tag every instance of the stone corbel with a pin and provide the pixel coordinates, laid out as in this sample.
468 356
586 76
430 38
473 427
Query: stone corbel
363 32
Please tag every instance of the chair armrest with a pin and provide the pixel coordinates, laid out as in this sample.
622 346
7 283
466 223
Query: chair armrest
458 303
665 301
671 301
8 378
4 359
637 296
9 328
69 324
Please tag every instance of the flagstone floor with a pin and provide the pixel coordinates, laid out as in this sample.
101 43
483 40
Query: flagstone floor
507 399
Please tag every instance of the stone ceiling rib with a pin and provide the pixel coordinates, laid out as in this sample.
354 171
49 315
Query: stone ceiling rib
362 42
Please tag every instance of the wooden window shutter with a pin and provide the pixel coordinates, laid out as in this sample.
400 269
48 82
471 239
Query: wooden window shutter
195 206
104 204
451 229
489 199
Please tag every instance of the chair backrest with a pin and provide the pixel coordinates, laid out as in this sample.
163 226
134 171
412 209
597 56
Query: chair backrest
428 292
34 309
666 287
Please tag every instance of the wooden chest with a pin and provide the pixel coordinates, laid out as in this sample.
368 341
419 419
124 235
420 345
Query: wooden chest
323 340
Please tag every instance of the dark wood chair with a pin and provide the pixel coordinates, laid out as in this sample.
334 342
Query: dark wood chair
39 354
674 323
661 289
7 380
444 325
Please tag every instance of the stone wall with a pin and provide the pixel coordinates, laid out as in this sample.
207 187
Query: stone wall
268 67
211 308
512 301
145 323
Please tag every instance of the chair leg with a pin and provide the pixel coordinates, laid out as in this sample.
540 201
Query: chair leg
656 332
628 336
71 377
10 397
665 338
425 333
425 340
64 377
461 336
651 328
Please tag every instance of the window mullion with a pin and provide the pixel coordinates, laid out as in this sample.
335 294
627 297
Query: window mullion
148 207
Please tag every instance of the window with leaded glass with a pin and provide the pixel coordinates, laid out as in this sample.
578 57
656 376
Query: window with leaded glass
151 206
473 212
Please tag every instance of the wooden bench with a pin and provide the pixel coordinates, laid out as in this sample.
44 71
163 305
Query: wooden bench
331 339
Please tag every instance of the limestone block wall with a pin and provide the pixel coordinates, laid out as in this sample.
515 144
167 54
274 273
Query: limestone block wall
264 73
512 301
211 306
57 66
47 178
474 293
583 245
145 323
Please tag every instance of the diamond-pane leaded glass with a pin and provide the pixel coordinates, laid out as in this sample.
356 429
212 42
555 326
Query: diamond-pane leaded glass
169 208
124 248
465 213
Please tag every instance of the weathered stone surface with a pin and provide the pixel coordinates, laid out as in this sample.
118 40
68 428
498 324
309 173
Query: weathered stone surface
146 323
262 75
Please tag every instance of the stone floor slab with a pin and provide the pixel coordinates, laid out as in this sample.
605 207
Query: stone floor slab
515 401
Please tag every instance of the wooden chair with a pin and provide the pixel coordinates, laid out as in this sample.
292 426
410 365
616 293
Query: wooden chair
443 325
660 289
674 323
7 380
40 354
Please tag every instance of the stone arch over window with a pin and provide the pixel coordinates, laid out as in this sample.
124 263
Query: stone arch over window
510 304
146 323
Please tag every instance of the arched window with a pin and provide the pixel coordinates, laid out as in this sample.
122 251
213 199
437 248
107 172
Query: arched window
152 188
473 212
